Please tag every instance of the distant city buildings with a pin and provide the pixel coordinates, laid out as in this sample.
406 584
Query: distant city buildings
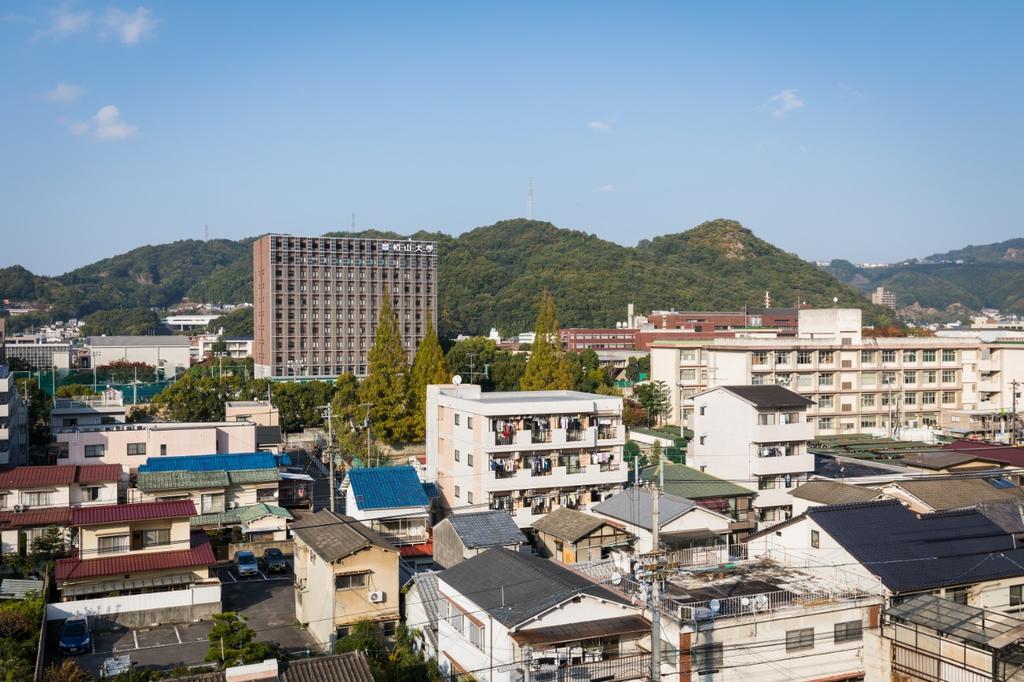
317 301
882 296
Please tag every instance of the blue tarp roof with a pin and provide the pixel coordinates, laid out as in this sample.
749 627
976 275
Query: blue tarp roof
387 488
236 462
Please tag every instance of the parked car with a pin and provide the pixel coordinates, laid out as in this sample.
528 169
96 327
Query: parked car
75 636
273 560
245 563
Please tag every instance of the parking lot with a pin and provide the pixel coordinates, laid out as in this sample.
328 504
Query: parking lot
266 601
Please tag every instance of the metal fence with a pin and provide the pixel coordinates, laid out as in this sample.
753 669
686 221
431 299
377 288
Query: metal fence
134 393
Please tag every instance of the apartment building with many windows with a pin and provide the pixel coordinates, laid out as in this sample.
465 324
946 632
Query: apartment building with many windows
524 452
317 301
858 384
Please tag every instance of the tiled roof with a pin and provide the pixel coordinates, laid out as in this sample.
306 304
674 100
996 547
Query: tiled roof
61 474
767 396
53 516
486 529
117 513
1006 454
200 553
515 587
419 550
254 476
387 488
241 515
253 460
333 535
633 505
693 484
939 459
832 492
350 667
568 524
181 480
426 586
958 493
911 553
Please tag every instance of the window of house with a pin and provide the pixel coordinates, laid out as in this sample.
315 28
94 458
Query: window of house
910 356
688 355
136 448
929 376
703 440
948 397
266 494
928 398
758 379
457 456
824 422
868 422
850 631
112 544
707 658
456 418
949 356
948 376
156 537
910 377
826 357
826 401
469 496
957 594
798 640
212 503
458 492
469 422
476 636
888 356
867 356
867 400
94 450
815 539
37 498
389 628
90 493
469 459
703 410
1016 595
803 357
351 581
781 358
163 449
456 619
759 357
688 375
910 399
928 356
826 379
766 418
868 378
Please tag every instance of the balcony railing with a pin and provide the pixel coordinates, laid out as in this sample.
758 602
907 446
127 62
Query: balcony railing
540 436
607 432
500 439
610 670
573 435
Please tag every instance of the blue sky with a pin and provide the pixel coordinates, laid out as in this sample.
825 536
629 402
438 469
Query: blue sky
870 131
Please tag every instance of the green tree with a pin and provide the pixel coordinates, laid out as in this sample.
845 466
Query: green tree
400 663
233 642
631 451
193 399
656 452
386 388
471 358
654 398
236 323
67 670
74 391
507 370
547 368
635 367
348 434
124 371
129 322
38 411
49 546
19 637
427 368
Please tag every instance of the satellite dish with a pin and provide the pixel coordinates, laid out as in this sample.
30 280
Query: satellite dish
761 602
457 380
616 579
715 606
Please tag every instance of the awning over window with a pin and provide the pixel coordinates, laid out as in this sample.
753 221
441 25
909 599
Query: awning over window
125 585
574 632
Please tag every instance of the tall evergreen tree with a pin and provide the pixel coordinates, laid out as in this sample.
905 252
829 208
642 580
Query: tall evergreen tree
547 367
427 368
387 386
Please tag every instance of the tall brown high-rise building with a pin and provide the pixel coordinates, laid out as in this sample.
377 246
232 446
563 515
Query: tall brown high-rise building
316 301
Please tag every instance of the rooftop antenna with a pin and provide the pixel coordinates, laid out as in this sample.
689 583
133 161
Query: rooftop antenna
529 198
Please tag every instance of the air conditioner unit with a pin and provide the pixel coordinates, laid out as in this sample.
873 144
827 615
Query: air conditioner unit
376 597
18 509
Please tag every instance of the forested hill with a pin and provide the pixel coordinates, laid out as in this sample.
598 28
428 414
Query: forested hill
490 276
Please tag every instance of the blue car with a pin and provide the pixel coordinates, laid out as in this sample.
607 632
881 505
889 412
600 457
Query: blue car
245 564
75 636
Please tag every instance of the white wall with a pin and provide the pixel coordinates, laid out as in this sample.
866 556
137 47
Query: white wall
153 601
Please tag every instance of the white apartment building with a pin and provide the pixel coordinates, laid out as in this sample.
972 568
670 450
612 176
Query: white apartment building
87 410
13 421
756 437
130 444
858 384
524 452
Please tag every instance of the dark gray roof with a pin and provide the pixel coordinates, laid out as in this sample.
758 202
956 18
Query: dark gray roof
568 524
831 467
833 492
911 553
486 529
333 535
268 435
633 505
515 587
350 667
1007 514
769 395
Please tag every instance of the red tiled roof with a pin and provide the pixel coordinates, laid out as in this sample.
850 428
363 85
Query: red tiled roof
55 516
61 474
422 549
1007 454
200 553
99 473
116 513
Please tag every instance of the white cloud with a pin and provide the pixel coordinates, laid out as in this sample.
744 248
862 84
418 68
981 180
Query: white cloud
128 27
600 126
606 189
105 125
64 21
785 102
66 93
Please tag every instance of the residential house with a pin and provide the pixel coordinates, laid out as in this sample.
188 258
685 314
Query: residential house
461 536
683 524
423 606
523 452
948 462
966 555
392 501
569 536
33 498
130 444
264 415
757 435
344 573
821 492
89 410
259 522
710 492
507 614
941 494
137 564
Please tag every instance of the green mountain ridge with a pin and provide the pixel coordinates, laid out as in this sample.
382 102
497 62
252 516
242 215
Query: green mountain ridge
491 276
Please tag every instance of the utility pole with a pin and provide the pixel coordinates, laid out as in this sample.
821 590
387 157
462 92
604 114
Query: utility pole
328 414
1013 432
655 573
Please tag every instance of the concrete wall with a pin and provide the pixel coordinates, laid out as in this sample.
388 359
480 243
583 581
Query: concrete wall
142 610
172 357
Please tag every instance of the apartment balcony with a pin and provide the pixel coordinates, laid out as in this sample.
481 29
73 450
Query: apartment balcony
989 385
778 433
551 438
556 476
794 464
5 410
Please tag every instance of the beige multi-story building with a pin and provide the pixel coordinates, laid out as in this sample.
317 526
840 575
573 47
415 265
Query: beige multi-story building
882 296
524 452
858 384
316 301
